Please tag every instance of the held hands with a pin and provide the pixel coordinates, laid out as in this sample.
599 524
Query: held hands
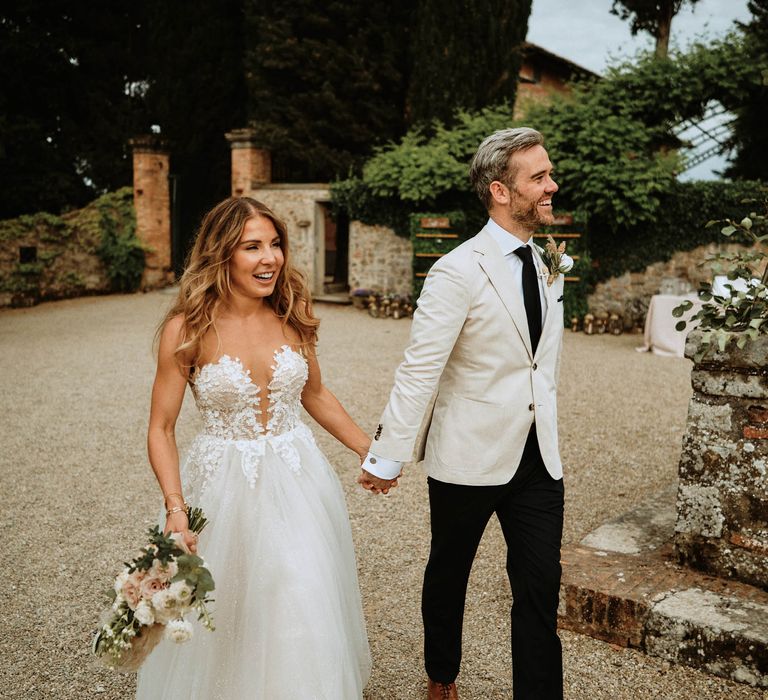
371 482
374 484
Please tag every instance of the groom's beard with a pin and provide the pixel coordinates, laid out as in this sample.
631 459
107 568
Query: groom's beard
527 214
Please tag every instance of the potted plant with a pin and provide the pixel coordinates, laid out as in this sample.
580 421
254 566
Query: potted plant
735 306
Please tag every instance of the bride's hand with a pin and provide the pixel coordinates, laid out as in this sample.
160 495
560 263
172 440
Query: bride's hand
177 522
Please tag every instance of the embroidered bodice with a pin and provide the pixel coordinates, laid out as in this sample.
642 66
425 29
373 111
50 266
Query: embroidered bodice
230 407
230 403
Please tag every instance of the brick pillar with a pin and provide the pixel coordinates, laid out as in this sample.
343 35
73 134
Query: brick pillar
251 164
151 199
722 499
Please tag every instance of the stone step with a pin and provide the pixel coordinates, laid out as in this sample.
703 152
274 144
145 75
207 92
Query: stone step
622 584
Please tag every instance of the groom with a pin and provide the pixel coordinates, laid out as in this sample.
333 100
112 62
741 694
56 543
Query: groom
485 343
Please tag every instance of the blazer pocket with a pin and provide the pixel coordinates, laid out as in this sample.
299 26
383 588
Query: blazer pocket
470 433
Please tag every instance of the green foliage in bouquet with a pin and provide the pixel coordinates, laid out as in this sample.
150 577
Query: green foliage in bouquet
741 314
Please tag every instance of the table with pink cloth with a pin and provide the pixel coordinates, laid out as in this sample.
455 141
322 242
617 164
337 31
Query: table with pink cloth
660 335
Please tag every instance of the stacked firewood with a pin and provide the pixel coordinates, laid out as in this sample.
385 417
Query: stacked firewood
598 323
385 305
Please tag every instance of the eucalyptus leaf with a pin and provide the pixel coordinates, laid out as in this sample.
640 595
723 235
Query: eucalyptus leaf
680 326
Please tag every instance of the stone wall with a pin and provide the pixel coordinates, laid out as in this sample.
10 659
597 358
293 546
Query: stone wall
379 259
722 501
630 294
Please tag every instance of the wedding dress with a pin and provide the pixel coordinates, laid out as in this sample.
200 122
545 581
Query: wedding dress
287 612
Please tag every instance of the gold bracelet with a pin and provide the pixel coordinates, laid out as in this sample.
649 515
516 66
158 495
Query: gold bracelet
177 509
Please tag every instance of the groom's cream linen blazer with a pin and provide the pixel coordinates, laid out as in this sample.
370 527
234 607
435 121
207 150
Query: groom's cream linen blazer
470 350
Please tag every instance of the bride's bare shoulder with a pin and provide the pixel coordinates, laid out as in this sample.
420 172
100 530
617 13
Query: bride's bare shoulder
173 330
172 336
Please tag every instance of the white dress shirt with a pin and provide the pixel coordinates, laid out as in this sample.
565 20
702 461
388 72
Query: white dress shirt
508 243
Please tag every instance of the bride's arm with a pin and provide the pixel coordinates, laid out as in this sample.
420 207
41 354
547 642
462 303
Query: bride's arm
167 396
327 410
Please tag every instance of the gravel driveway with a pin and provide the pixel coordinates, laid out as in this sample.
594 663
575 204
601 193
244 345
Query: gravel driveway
78 494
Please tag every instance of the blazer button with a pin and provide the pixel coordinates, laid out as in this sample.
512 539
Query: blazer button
534 366
530 407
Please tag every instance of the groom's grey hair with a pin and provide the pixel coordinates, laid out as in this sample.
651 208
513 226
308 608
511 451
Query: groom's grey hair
493 160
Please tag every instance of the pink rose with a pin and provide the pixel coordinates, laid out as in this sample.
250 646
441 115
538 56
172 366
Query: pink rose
131 589
164 573
151 585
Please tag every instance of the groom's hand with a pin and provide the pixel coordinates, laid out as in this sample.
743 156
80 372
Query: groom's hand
374 484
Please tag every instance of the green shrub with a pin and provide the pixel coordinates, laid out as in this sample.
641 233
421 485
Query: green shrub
120 249
679 224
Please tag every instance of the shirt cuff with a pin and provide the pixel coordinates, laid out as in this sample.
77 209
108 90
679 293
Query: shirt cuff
382 467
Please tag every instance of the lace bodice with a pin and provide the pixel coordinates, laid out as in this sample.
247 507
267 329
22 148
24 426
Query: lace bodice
229 402
230 406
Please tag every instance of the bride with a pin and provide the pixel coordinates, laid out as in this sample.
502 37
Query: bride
241 335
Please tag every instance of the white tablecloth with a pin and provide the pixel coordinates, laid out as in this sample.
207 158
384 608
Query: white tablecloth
660 335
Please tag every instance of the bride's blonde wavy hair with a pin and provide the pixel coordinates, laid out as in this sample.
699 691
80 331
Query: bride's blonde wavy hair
205 283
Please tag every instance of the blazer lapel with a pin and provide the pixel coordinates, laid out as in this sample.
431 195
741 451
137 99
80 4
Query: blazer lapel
493 264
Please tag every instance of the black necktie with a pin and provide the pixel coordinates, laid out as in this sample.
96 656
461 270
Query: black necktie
531 296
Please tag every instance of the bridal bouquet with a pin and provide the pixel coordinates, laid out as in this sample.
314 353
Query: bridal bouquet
150 598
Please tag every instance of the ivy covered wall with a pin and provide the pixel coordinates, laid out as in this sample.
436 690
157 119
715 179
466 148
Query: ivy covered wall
93 250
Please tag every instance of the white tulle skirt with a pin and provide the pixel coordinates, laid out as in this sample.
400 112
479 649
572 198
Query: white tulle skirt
289 623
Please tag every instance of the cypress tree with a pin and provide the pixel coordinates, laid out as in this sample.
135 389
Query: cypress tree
196 94
66 104
750 137
465 55
325 81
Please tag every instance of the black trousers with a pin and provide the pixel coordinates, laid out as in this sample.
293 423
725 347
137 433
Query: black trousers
530 510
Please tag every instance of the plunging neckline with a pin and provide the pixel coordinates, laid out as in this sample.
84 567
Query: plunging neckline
244 371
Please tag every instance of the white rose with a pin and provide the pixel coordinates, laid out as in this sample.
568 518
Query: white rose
566 263
181 591
144 613
164 605
122 577
178 631
119 600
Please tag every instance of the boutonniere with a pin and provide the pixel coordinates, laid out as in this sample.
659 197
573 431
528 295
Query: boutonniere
556 259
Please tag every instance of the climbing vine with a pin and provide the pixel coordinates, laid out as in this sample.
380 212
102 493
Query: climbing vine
105 229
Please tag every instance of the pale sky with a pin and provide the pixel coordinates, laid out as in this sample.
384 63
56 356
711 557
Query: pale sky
585 32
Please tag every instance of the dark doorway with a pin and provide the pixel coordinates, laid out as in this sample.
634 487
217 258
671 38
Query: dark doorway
336 251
